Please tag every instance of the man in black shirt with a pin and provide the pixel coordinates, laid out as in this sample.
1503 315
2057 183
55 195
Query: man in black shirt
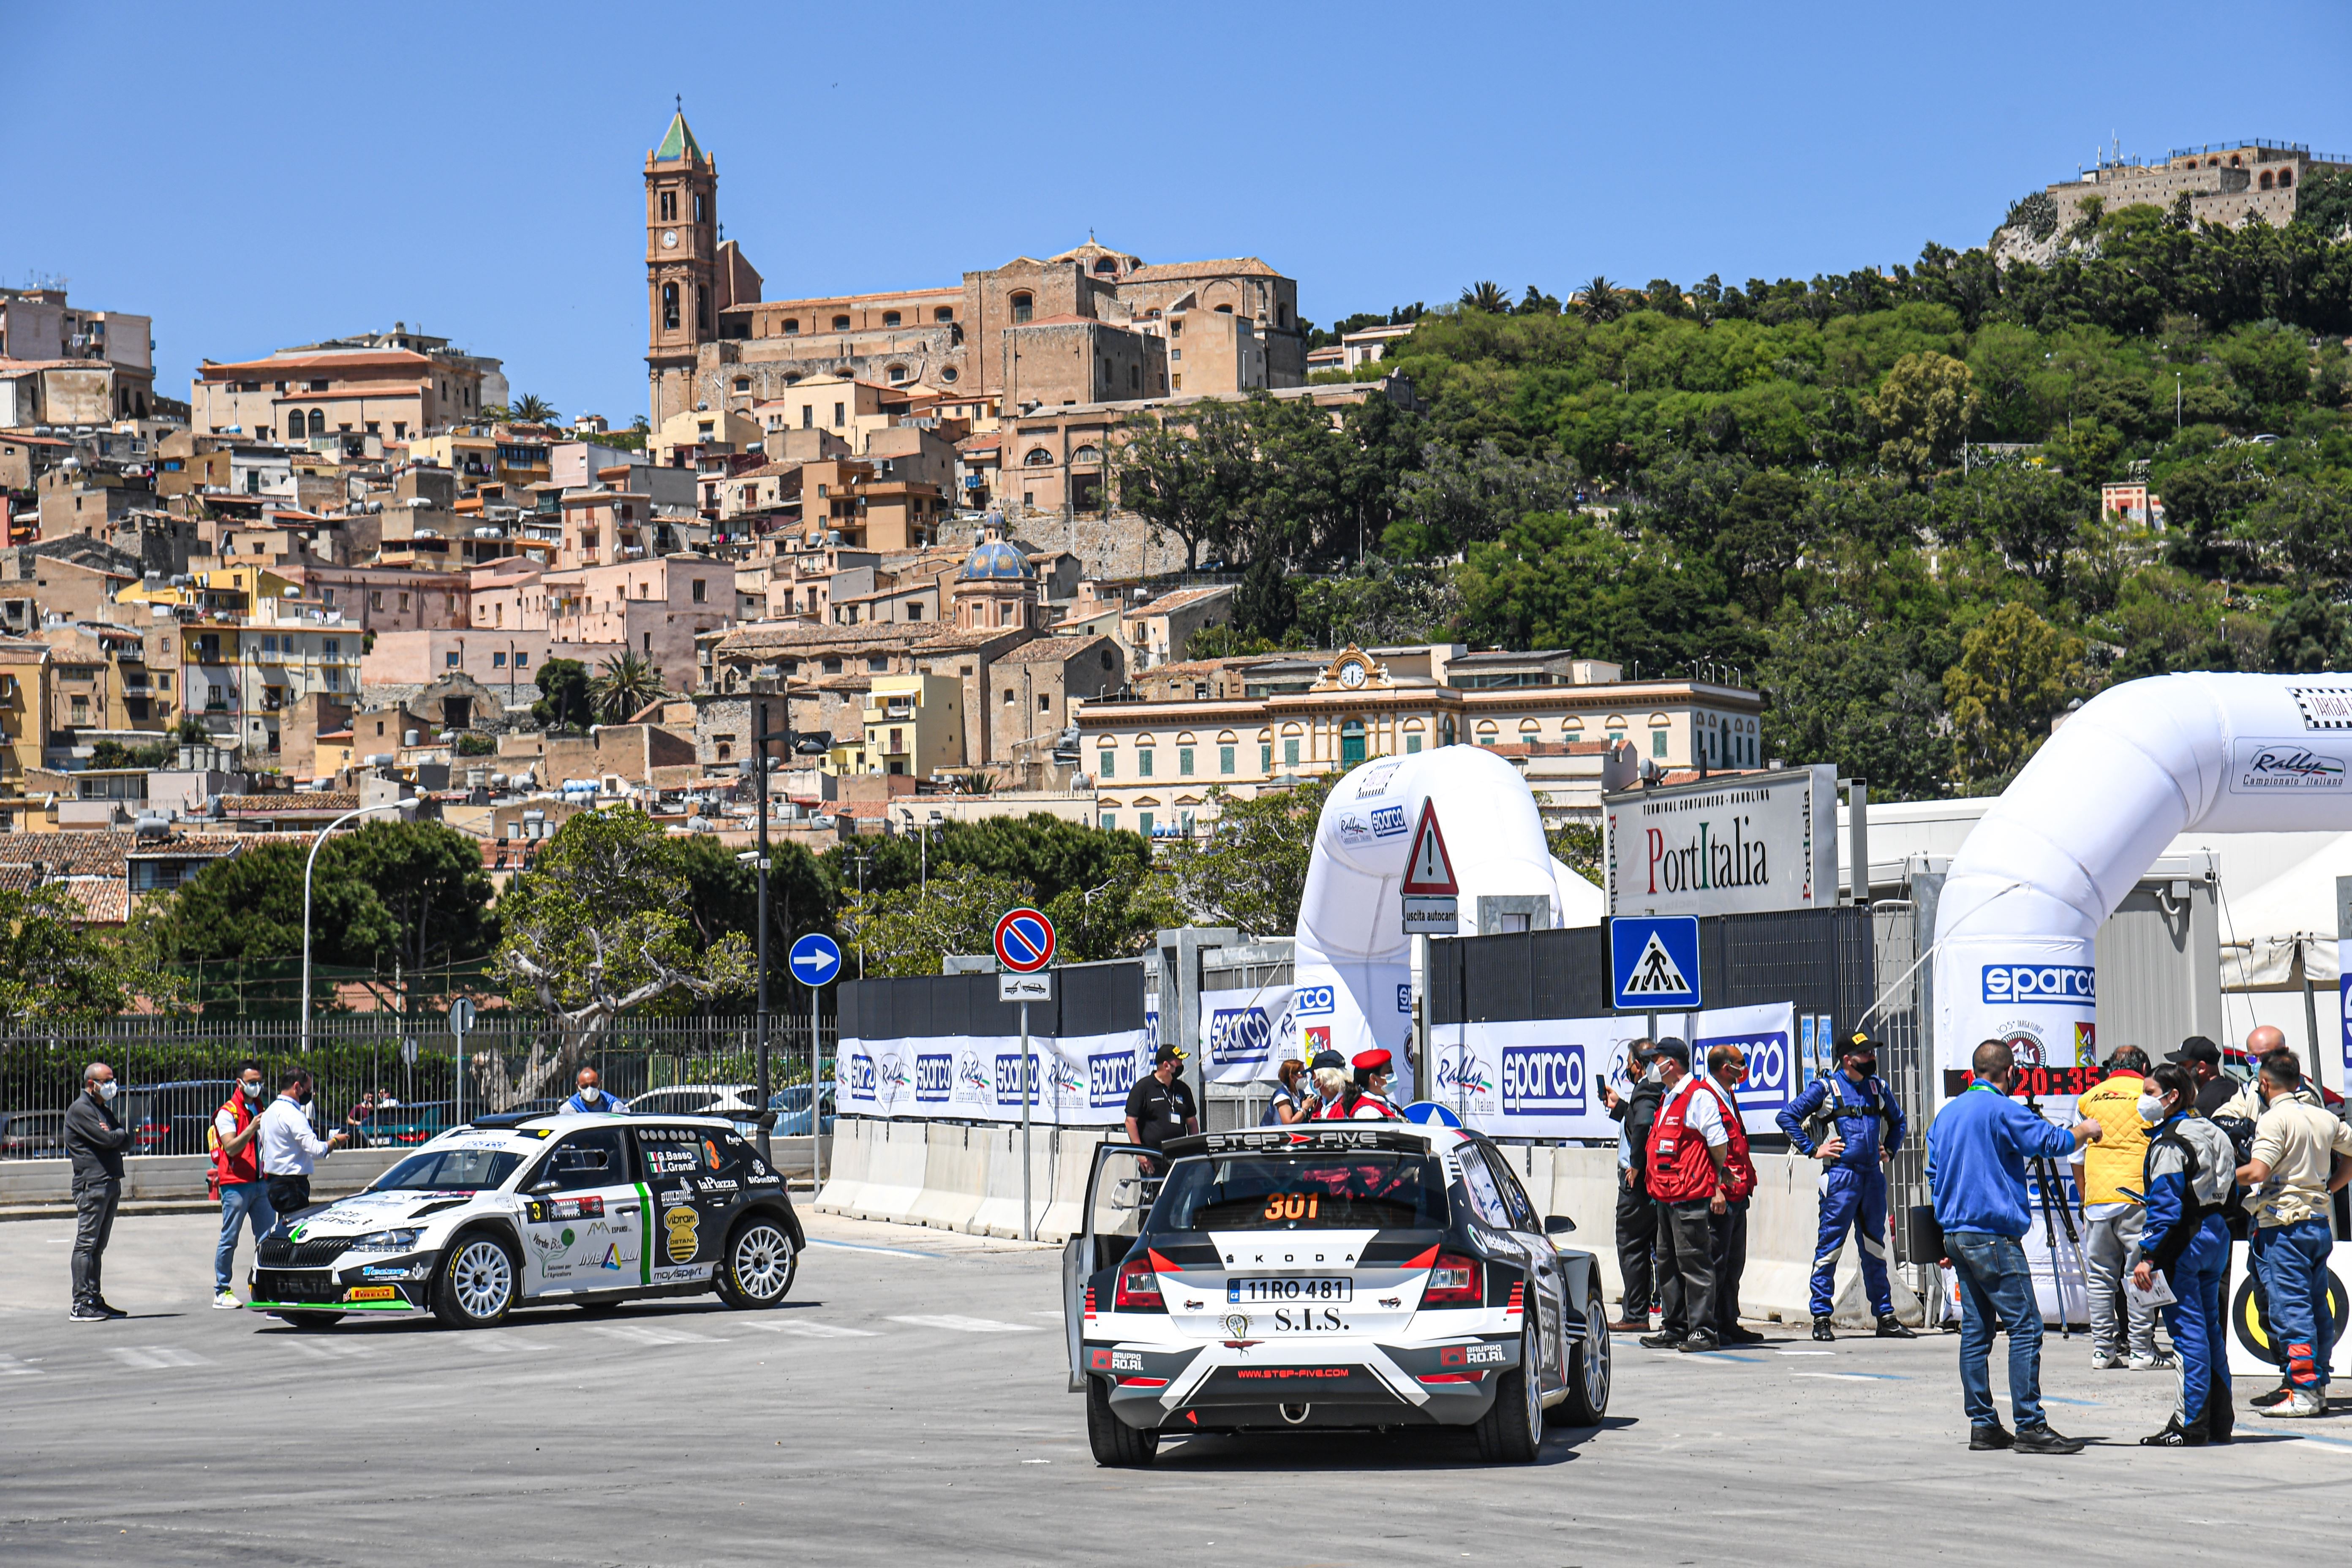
2202 1058
1161 1107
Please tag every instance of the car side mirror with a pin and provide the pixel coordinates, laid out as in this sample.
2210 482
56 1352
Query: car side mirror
1558 1225
546 1187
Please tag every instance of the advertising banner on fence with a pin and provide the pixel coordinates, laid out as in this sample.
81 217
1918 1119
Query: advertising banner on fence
1081 1080
1541 1077
1245 1036
2039 993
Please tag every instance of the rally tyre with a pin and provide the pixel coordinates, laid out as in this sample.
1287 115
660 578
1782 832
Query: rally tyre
310 1319
761 1264
1116 1444
1588 1369
477 1283
1512 1429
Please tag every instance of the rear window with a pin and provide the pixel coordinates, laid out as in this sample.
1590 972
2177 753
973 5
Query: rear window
450 1171
1273 1192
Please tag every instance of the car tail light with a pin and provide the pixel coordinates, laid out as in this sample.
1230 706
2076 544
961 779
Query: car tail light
1143 1383
1453 1281
1453 1376
1139 1288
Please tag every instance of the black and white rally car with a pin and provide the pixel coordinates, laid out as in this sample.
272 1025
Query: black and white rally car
522 1209
1326 1274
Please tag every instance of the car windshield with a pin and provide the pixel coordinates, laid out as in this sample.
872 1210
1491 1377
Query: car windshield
450 1171
1279 1192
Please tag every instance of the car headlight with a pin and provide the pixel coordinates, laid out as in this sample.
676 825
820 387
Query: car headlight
389 1240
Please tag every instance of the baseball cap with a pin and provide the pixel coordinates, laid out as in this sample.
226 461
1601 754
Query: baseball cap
1858 1043
1171 1052
1671 1047
2195 1048
1328 1059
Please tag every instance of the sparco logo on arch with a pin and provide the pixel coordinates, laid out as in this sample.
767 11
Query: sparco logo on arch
2071 984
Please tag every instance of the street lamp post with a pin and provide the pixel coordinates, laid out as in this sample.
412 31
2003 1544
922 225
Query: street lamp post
761 736
308 865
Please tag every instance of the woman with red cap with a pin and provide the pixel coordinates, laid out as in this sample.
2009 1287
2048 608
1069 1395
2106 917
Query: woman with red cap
1366 1099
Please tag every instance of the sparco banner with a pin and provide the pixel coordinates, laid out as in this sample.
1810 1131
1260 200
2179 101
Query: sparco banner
1078 1082
1755 841
1542 1077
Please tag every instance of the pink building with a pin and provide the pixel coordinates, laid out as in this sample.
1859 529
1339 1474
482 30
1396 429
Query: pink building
653 608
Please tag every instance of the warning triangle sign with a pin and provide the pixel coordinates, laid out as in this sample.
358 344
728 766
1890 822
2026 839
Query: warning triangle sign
1655 972
1429 871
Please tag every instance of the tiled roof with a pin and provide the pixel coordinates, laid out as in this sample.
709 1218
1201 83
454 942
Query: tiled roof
1248 266
1052 650
279 803
1177 600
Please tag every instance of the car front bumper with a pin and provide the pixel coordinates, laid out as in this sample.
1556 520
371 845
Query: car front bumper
374 1285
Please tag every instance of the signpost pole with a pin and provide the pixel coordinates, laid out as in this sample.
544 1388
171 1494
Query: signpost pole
1028 1220
816 1103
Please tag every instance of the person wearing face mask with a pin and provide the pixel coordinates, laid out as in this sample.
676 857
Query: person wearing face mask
236 1178
1726 1069
2301 1155
1849 1121
289 1146
1634 1109
590 1099
95 1138
2186 1176
2109 1180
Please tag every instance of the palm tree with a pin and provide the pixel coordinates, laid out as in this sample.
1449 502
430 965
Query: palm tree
1600 301
624 687
1488 297
530 409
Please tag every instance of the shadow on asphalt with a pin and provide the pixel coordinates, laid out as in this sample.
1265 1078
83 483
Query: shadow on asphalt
550 1316
1416 1448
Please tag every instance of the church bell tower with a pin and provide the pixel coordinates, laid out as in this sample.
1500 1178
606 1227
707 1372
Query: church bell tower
681 265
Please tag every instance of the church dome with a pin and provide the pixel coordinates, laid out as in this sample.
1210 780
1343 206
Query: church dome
994 561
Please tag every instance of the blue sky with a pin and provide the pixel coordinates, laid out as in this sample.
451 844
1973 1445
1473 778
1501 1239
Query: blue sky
254 177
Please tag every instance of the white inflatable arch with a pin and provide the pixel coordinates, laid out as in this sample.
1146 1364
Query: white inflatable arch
1350 932
2136 766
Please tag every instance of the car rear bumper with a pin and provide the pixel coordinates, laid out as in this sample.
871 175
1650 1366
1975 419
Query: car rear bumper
1344 1382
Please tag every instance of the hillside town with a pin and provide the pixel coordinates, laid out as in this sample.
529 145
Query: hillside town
350 570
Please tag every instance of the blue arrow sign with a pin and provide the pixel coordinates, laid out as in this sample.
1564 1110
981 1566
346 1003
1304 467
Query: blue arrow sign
815 959
1653 962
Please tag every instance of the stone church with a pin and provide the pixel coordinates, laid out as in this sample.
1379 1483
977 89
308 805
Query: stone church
1090 325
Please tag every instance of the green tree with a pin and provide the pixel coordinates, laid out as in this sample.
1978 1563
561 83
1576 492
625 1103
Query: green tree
1600 300
598 927
56 970
531 409
1249 870
1925 404
2016 673
1265 605
2311 637
1191 474
623 686
908 930
564 702
1488 297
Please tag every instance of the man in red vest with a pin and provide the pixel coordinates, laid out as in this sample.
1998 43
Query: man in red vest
1727 1068
1689 1150
236 1178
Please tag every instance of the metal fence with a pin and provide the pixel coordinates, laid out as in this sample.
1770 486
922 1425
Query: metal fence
1901 1025
176 1072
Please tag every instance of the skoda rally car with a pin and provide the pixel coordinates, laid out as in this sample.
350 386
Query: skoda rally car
525 1209
1326 1274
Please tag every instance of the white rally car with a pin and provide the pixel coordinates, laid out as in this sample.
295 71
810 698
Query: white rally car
522 1209
1326 1274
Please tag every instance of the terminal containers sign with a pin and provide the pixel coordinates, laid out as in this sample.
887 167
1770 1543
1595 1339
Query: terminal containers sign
1734 844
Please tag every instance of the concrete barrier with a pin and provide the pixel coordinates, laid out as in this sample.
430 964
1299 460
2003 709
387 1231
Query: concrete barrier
851 1155
179 1178
1074 1151
955 1177
894 1175
999 1211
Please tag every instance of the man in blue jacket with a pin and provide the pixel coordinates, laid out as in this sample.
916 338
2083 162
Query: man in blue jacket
1977 1150
1849 1121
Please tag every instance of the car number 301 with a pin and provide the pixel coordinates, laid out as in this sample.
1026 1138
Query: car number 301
1318 1289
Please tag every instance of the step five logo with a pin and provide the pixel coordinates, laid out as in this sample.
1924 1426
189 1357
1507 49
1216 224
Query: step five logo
2063 984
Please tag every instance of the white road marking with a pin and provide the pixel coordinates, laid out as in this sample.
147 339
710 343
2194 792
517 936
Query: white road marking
1804 1352
11 1367
868 1247
638 1334
1841 1376
488 1346
329 1350
961 1325
814 1331
150 1358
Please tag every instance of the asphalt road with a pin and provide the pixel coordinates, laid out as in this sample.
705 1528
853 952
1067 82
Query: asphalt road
908 1406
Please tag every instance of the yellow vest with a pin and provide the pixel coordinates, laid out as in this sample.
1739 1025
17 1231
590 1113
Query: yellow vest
2116 1160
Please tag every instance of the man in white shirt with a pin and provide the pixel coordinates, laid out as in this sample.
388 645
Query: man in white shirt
289 1146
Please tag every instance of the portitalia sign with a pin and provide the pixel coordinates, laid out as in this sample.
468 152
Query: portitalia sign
1733 845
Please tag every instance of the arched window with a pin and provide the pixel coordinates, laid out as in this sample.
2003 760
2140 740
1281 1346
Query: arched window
1038 458
701 305
1528 727
2286 178
1106 267
1021 307
1224 310
889 318
896 373
791 378
792 326
669 306
841 323
318 422
2266 180
1351 742
1087 454
742 384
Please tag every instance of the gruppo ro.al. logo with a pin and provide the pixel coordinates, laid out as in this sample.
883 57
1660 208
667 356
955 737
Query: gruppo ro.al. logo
1238 1035
1543 1080
1109 1077
2061 985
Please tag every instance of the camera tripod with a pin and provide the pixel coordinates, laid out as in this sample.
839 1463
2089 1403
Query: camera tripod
2057 1214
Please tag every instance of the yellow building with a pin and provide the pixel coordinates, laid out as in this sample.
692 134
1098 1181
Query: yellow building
914 725
25 700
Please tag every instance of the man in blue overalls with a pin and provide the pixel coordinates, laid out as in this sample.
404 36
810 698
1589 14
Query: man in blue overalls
1849 1121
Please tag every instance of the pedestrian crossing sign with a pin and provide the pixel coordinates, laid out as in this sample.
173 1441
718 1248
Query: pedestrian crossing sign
1653 962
